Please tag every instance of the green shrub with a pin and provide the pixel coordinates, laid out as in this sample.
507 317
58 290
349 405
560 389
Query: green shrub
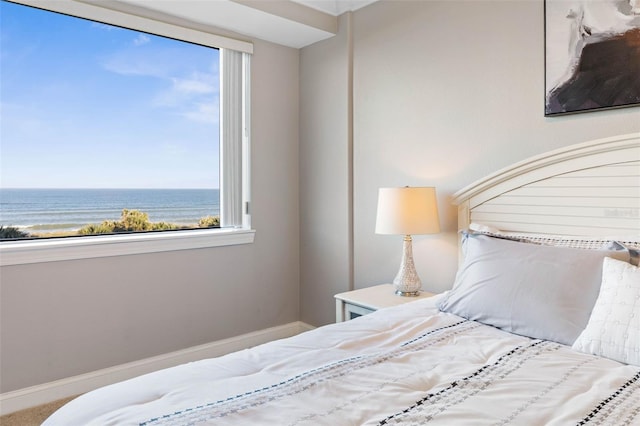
130 221
106 227
163 226
209 222
11 232
135 220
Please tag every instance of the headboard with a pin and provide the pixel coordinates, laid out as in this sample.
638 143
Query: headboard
588 189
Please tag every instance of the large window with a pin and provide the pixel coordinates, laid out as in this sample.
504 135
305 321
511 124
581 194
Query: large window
112 130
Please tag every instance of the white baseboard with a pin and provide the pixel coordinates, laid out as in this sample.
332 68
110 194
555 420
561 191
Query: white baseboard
63 388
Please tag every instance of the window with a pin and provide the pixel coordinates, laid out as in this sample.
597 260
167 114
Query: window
108 129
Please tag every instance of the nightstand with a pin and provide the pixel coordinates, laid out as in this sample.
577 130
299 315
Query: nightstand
352 304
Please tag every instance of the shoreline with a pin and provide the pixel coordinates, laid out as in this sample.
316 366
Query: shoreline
130 221
74 233
52 231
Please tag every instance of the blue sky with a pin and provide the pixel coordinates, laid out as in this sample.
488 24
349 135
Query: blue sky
88 105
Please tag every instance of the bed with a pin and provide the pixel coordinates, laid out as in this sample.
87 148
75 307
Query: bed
542 325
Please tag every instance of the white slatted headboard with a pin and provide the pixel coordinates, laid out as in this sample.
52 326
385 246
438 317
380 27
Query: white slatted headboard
589 189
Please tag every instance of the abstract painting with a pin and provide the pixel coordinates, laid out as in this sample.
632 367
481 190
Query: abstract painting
592 55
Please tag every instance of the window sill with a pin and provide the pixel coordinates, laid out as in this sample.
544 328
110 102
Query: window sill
58 249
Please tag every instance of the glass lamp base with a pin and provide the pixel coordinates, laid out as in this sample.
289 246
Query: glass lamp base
408 293
407 282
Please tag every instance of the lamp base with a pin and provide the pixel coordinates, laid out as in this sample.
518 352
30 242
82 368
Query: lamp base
408 293
407 283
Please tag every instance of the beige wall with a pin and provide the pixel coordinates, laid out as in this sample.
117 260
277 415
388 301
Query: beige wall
444 92
65 318
324 175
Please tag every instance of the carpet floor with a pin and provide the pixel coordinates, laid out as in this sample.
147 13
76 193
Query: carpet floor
32 416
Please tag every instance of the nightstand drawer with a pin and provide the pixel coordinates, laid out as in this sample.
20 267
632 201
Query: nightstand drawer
354 311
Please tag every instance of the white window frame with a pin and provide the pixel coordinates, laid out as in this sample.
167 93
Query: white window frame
234 170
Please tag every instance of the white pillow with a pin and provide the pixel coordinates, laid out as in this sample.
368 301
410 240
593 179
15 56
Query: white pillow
571 241
613 330
534 290
629 243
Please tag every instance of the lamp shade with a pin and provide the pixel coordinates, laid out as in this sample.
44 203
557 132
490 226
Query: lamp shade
407 211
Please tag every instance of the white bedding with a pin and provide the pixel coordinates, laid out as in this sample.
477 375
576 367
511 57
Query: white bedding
409 364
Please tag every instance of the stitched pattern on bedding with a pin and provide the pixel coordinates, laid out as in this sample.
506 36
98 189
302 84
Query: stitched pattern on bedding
618 408
427 408
523 407
305 380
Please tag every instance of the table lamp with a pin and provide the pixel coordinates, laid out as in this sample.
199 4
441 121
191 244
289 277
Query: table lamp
407 211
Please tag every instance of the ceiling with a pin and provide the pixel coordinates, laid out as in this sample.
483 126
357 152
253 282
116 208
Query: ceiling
335 7
293 23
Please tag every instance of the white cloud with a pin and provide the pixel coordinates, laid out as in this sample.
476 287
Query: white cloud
174 149
151 60
102 26
187 90
203 113
141 39
187 93
198 83
129 63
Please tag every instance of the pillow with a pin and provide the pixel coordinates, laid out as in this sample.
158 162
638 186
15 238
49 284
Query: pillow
613 331
572 241
634 250
538 291
629 243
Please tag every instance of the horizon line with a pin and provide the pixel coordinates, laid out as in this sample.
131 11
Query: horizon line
110 188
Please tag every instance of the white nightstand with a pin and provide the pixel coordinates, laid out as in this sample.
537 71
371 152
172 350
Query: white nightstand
352 304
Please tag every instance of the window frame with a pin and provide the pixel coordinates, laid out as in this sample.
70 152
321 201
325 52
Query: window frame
234 231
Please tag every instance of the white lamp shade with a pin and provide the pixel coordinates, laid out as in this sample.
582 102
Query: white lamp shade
407 211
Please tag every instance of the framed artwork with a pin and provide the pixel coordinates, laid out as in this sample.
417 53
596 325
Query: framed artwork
592 55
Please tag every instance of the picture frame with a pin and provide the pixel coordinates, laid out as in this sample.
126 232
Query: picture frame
592 55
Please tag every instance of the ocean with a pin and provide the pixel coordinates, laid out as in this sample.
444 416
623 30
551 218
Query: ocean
61 210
